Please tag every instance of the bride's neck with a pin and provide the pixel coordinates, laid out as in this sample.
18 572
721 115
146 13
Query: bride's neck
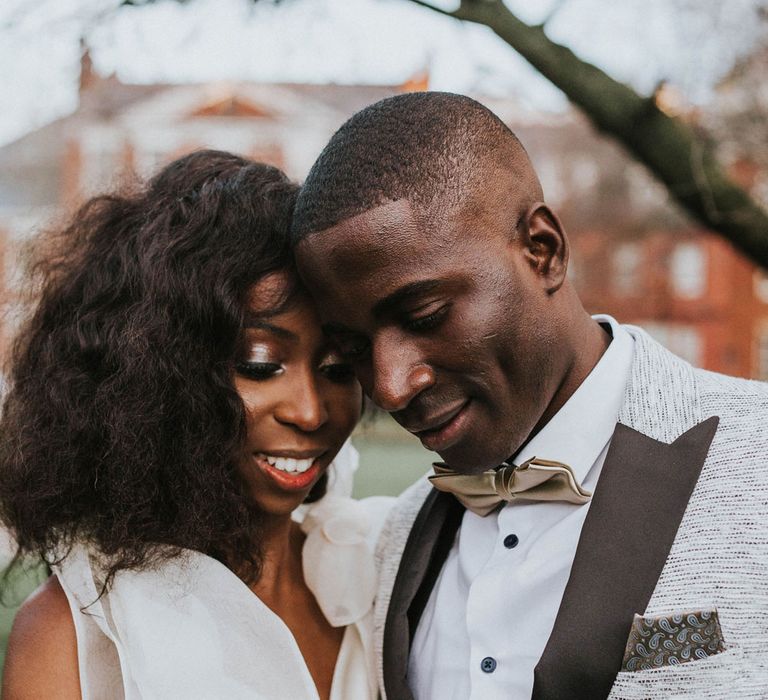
281 543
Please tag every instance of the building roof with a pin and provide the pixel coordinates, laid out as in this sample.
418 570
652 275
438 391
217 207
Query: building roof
30 166
587 178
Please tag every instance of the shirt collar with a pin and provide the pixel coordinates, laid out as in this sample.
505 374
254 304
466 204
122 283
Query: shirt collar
578 432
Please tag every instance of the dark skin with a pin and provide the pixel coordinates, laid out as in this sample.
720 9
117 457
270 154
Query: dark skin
463 326
302 402
282 588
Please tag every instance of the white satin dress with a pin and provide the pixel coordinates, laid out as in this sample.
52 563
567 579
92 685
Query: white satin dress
192 629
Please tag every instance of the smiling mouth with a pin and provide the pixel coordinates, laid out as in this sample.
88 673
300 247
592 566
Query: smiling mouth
293 472
445 429
290 465
436 423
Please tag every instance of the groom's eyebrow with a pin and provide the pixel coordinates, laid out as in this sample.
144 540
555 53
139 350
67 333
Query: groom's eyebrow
413 289
388 304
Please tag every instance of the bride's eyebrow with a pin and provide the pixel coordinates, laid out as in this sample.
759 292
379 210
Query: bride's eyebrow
259 324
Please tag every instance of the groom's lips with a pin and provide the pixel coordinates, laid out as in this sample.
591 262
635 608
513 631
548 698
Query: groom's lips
443 430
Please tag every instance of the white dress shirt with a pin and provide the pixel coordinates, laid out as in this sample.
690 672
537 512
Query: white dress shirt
495 601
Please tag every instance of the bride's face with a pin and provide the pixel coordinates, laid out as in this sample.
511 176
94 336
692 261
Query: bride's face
302 401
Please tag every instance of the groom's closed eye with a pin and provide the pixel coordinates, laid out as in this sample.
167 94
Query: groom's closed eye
426 317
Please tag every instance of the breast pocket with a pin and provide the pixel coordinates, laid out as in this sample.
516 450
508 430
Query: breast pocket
724 676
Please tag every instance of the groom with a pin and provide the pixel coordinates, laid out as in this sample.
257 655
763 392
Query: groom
592 485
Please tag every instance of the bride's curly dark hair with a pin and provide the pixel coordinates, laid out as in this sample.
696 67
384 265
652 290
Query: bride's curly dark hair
121 426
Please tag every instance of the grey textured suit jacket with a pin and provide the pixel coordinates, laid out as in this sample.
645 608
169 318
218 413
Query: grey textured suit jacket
679 521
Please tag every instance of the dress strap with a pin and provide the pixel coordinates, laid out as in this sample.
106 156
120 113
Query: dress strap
100 663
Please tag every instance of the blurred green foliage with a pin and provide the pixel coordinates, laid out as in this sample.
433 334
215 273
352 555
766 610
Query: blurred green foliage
390 458
16 584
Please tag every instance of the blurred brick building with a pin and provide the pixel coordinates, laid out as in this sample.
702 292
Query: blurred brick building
633 254
689 289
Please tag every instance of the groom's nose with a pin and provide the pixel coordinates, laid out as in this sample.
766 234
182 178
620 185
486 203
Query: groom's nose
398 372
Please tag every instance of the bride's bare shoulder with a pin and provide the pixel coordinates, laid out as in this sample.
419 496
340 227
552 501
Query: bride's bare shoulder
41 657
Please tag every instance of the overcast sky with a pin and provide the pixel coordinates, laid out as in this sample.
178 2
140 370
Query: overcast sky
690 42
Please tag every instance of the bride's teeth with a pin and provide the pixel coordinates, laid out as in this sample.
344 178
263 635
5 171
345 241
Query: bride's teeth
289 464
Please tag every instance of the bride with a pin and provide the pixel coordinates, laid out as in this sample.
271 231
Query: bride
173 421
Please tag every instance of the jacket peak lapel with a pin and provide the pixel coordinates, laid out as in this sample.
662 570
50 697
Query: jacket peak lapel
632 521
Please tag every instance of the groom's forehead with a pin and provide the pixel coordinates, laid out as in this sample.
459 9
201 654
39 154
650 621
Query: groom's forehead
397 230
354 266
364 243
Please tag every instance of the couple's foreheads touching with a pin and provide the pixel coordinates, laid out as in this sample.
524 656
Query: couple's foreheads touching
422 233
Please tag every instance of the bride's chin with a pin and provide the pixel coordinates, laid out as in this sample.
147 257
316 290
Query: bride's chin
277 493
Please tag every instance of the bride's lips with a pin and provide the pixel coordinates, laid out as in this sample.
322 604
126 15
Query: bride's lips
289 480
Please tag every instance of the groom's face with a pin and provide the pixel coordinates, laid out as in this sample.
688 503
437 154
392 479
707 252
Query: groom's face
446 323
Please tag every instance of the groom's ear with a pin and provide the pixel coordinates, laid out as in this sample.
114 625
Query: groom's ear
542 236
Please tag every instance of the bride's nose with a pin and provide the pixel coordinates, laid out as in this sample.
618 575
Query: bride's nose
303 406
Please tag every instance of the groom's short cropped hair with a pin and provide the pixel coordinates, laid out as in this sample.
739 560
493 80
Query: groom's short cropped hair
424 147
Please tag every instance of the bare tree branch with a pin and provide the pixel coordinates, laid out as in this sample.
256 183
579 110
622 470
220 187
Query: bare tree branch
553 11
439 10
676 155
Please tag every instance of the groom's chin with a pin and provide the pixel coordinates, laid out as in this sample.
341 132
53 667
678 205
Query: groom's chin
470 458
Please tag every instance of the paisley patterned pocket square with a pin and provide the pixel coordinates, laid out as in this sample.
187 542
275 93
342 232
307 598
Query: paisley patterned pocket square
668 640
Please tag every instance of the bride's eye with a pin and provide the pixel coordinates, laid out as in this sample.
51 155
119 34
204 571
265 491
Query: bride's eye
258 361
258 371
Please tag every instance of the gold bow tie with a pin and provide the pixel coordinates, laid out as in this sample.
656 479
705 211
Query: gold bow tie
534 480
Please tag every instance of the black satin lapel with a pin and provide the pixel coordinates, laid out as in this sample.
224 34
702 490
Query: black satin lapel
632 522
451 522
425 551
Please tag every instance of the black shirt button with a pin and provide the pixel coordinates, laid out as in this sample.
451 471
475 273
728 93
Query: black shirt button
511 541
488 664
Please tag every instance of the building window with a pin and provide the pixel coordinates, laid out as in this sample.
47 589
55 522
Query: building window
645 192
585 173
100 171
688 271
271 154
627 258
684 341
14 314
761 353
149 161
13 271
551 177
573 269
760 285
